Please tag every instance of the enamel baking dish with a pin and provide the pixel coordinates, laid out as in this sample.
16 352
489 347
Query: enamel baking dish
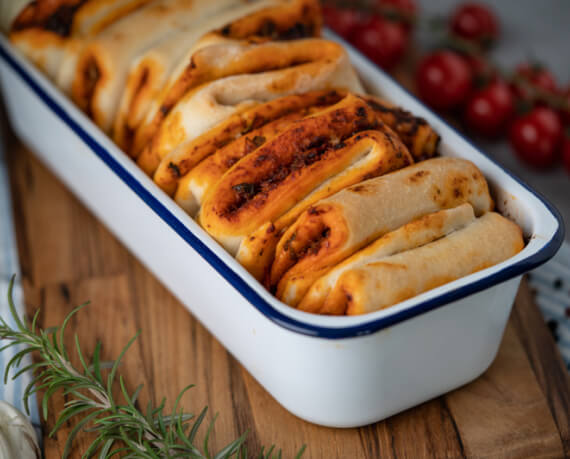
334 371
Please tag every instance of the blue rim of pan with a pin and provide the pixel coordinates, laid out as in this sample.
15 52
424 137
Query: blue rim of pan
366 328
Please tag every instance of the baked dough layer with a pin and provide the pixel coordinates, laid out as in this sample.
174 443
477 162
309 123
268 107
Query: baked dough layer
267 183
419 232
337 227
485 242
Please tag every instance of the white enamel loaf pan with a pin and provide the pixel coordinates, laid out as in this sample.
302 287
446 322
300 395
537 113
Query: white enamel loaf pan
334 371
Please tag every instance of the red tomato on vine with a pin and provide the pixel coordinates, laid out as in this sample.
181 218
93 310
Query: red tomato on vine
443 79
383 41
475 22
489 109
536 137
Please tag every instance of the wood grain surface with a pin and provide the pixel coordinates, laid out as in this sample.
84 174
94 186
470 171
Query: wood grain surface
519 408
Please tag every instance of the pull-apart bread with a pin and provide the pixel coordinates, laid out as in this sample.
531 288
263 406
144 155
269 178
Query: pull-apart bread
247 23
52 32
335 200
337 227
261 72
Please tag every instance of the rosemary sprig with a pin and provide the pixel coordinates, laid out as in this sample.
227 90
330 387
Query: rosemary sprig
119 425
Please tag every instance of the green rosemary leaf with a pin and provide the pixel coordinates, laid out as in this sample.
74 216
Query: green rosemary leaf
81 358
231 448
128 441
111 377
14 362
160 407
179 398
104 453
207 437
94 446
169 420
53 387
301 452
120 427
159 417
30 389
23 370
77 386
96 363
60 342
181 434
118 452
197 424
34 321
76 429
126 395
149 413
68 413
54 342
12 306
135 395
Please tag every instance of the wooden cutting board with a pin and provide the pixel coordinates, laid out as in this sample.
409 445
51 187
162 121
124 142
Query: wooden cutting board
519 408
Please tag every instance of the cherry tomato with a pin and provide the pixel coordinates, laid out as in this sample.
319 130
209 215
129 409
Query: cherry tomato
342 20
443 79
535 137
475 22
381 40
488 110
566 153
549 122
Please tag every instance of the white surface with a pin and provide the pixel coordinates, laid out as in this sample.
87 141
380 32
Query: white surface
346 382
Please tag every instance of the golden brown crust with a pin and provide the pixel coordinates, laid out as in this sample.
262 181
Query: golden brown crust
52 33
139 84
103 64
55 16
485 242
195 185
298 17
310 245
68 18
338 226
365 155
267 183
42 31
285 64
420 138
173 167
418 232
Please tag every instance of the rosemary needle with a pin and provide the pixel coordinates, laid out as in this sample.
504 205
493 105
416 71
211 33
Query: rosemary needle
119 426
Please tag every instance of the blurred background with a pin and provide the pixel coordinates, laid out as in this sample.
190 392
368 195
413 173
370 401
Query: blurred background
516 104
